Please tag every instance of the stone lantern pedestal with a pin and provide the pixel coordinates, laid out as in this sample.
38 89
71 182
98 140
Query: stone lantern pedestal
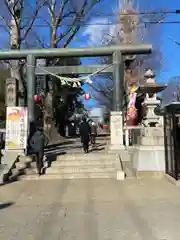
149 157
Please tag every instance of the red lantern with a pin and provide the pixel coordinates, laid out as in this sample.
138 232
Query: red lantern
86 96
37 98
105 126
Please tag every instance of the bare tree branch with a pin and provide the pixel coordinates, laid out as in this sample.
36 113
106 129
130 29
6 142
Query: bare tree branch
55 21
12 11
76 24
40 41
59 16
35 14
6 26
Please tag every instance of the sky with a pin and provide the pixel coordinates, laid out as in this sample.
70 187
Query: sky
91 35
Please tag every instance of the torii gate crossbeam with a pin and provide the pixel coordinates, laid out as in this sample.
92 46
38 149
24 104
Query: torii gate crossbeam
76 52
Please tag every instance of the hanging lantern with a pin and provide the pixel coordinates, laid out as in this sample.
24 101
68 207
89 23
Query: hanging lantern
86 96
105 126
37 98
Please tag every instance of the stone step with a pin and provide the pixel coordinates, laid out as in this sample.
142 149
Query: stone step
82 169
86 162
20 165
81 175
25 159
24 162
91 156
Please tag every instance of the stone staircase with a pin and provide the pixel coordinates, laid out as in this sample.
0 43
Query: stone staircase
80 166
77 165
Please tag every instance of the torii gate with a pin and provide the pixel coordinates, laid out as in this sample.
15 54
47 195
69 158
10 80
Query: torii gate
117 52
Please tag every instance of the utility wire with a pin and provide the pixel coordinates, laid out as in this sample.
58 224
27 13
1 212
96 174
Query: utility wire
135 13
173 40
79 19
153 13
101 24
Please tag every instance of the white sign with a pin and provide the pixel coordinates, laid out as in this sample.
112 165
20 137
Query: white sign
16 128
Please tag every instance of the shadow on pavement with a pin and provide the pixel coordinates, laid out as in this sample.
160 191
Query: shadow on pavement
96 149
53 156
59 144
5 205
103 135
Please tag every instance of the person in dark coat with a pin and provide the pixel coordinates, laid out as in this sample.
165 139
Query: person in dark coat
85 132
32 130
2 145
93 132
37 143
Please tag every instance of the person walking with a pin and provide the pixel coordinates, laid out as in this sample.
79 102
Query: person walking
37 143
93 133
2 145
85 132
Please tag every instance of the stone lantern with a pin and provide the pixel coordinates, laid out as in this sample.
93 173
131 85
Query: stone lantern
150 89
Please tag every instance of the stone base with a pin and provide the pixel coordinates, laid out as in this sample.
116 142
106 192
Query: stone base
152 136
117 147
120 175
149 159
149 174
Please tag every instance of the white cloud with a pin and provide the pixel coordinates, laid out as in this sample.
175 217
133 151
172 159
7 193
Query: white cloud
99 31
102 31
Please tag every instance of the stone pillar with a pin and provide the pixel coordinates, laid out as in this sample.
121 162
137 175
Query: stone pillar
116 121
31 87
11 92
116 131
118 74
10 156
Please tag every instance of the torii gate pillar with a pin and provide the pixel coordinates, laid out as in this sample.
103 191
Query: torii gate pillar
116 121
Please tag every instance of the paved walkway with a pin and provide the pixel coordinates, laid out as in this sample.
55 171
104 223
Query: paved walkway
90 210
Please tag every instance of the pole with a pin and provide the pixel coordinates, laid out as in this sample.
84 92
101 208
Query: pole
31 87
77 52
118 81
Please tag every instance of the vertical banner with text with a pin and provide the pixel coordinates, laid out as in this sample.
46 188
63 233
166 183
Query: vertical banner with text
16 128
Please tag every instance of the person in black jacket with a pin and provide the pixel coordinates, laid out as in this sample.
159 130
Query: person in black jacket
2 145
93 132
37 143
85 132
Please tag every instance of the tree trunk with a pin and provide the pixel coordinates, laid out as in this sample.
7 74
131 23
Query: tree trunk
15 44
49 123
